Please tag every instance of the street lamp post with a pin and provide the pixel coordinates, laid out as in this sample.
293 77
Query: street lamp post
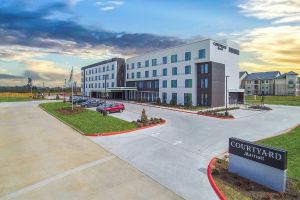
226 98
105 77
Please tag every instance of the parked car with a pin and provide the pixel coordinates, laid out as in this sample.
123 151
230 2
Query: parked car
80 100
110 108
91 103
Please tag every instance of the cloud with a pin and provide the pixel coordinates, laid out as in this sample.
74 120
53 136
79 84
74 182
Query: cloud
106 8
109 5
280 11
33 31
277 47
9 76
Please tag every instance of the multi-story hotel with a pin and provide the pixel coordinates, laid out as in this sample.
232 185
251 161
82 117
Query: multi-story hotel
193 73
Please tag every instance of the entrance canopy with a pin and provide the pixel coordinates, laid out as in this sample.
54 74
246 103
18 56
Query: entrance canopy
116 89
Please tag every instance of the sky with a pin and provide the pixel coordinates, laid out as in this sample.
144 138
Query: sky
45 39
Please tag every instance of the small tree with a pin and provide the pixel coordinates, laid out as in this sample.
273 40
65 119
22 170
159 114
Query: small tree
144 117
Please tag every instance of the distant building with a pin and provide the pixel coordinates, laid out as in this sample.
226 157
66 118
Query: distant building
287 84
270 83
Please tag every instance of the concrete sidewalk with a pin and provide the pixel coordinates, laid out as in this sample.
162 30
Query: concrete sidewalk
41 158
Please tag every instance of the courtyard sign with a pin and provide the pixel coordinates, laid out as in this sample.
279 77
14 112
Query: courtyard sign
259 153
262 164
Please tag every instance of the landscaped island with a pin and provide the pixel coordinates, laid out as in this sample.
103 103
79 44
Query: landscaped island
86 121
236 187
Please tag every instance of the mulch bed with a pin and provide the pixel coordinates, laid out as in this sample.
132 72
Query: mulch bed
69 111
252 189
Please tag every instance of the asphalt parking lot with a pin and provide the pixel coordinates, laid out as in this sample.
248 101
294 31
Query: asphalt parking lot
177 154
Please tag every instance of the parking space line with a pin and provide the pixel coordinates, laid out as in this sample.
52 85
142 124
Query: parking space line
55 178
177 142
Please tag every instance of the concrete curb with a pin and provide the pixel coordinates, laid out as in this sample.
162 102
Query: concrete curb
211 180
122 132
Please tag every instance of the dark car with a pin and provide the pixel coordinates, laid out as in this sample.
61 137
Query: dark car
110 108
80 100
91 103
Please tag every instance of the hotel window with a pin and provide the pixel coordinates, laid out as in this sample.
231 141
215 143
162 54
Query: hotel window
96 78
165 83
187 69
156 84
174 98
132 65
113 84
204 83
188 56
96 71
127 66
174 58
148 84
99 77
204 68
202 53
154 73
165 72
165 60
164 97
112 76
132 75
103 85
99 85
103 69
187 98
147 63
173 83
188 83
113 67
291 82
146 74
154 62
204 100
174 71
139 64
95 85
138 74
127 76
107 68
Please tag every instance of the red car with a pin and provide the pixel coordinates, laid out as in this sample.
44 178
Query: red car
115 107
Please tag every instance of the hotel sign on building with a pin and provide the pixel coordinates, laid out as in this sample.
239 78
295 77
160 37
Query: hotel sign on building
262 164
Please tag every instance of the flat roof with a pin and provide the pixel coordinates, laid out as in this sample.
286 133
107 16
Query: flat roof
103 62
181 45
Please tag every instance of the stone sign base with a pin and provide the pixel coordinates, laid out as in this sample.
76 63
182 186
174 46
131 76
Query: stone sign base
270 177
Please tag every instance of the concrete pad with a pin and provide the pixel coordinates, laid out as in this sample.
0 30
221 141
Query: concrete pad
38 154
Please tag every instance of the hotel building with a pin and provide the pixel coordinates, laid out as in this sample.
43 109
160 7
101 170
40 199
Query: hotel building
192 73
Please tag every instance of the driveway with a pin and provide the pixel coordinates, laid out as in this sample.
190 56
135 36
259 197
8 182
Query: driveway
42 158
177 154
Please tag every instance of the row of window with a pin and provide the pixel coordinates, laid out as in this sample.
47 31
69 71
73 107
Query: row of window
99 78
187 83
98 85
100 69
187 70
173 59
187 98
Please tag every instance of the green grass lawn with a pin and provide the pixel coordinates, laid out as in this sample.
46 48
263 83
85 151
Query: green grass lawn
88 121
14 99
276 100
290 142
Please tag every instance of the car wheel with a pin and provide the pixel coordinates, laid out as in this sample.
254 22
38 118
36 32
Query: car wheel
121 110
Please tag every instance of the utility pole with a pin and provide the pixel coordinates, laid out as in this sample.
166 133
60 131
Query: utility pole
226 98
64 89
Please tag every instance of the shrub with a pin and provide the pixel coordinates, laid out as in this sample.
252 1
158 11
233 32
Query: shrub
57 97
104 113
215 171
144 117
